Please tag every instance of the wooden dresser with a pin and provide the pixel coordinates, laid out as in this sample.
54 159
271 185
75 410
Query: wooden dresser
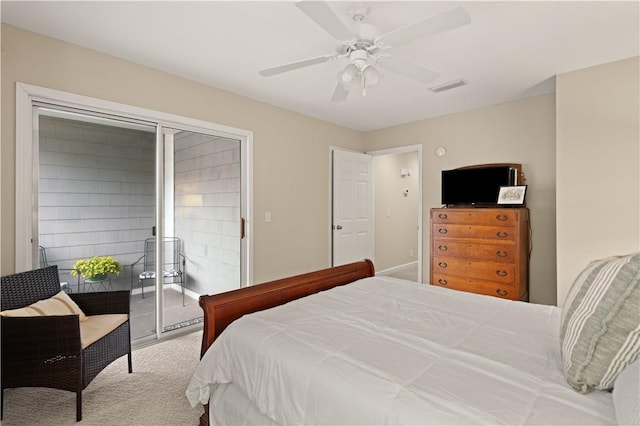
481 250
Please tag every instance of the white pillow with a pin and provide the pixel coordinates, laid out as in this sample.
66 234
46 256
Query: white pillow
626 395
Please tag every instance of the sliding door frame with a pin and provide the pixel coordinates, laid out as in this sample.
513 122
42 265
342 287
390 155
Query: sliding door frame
27 162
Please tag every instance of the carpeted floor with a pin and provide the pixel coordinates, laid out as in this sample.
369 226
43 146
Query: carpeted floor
154 394
409 273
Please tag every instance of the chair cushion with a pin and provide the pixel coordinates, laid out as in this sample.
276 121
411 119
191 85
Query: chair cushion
60 304
149 275
98 326
600 326
172 273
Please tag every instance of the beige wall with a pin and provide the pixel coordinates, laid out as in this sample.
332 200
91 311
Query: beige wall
517 132
597 173
291 151
396 215
598 166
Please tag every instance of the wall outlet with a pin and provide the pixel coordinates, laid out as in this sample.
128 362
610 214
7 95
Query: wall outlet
267 217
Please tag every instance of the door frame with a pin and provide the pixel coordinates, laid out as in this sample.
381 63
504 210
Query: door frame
388 151
26 145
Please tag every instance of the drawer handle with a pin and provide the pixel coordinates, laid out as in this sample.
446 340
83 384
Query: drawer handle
501 273
442 230
442 282
502 217
501 292
443 215
501 253
442 248
442 264
501 234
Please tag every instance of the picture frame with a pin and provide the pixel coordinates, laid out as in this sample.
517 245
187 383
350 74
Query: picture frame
512 195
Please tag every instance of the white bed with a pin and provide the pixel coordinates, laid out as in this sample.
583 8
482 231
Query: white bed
388 351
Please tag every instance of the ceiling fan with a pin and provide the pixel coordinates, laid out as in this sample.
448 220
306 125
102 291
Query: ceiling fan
364 47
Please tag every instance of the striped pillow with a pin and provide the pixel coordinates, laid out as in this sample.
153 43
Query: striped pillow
600 325
60 304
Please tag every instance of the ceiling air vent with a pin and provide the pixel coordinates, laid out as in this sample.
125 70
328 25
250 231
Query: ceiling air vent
448 86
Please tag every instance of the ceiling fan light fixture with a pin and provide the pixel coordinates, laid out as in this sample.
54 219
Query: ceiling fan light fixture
348 74
371 76
350 77
359 57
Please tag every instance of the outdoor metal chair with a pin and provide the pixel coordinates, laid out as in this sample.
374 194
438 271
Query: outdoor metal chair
46 351
173 268
44 262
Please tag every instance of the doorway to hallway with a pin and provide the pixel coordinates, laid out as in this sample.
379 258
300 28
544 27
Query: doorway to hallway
384 190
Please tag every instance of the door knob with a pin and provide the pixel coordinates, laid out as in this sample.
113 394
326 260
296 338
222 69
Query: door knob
339 227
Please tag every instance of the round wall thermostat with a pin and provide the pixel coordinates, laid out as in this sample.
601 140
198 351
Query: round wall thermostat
441 151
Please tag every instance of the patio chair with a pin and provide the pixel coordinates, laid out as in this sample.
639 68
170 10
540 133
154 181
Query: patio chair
44 262
60 351
173 268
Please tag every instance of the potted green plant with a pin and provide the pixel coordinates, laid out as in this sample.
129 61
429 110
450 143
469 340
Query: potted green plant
97 268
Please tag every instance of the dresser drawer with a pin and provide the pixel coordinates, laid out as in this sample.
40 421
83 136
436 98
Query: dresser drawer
447 230
505 291
481 250
490 217
499 272
503 253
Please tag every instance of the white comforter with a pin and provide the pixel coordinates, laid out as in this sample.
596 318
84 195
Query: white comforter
387 351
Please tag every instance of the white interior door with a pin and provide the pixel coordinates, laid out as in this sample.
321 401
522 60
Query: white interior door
352 224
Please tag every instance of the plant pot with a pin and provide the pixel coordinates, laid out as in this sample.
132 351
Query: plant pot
99 277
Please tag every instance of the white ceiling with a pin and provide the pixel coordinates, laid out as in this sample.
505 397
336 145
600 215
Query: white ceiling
510 50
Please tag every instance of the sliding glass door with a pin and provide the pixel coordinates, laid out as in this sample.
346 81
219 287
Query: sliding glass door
202 215
165 201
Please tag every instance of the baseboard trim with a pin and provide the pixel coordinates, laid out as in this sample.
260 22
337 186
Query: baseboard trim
394 269
151 289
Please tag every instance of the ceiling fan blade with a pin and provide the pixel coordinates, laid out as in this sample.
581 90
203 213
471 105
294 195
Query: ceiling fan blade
268 72
322 15
409 70
443 22
340 94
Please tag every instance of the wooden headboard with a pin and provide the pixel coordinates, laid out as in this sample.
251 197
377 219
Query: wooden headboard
222 309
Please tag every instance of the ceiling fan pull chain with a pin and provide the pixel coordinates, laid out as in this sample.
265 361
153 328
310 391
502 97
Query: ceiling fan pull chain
364 84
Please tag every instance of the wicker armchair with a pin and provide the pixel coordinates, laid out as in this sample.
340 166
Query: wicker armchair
46 351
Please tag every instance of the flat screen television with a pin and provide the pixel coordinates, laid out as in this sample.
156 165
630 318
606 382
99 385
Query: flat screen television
476 185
